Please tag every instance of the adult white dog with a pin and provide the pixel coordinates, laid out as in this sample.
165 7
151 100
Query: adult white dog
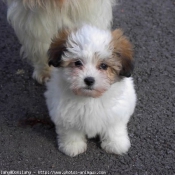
36 22
90 91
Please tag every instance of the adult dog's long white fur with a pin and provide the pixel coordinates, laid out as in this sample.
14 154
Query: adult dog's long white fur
36 22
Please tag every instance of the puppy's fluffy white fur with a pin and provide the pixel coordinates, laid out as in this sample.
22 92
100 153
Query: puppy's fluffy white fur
104 108
36 22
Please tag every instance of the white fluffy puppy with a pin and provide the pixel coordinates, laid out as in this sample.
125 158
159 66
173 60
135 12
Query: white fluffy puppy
91 91
36 22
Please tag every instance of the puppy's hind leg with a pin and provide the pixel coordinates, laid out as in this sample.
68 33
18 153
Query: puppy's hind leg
71 141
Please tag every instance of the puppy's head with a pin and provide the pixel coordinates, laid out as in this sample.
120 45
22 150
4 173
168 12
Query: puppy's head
91 60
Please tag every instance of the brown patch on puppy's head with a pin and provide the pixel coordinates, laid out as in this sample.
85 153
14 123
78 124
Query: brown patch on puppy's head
122 52
57 49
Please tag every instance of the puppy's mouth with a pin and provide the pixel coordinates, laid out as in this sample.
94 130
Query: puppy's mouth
89 88
88 91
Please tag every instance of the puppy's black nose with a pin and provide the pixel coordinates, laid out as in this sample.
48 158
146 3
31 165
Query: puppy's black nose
89 81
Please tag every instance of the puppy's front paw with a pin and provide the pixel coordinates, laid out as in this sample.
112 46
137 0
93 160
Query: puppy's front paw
118 145
73 148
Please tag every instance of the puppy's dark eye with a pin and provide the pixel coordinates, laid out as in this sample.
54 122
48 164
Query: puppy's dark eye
78 63
118 54
103 66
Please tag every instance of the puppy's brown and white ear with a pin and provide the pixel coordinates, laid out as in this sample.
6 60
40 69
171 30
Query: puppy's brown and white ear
57 49
123 51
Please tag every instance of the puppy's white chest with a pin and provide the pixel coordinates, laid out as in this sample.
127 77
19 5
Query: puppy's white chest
89 116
